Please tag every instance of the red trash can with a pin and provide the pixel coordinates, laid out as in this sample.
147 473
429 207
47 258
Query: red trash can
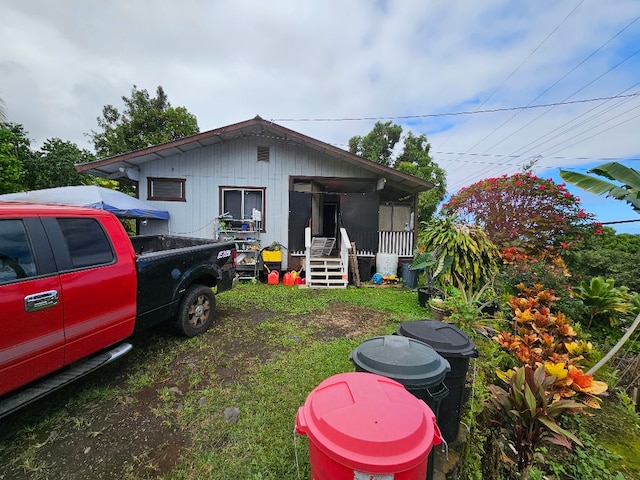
366 426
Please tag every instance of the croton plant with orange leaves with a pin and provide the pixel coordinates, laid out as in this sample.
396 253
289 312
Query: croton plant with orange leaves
542 337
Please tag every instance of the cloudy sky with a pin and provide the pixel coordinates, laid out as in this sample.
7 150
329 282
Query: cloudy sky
494 84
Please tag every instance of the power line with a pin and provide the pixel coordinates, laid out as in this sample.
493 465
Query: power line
555 133
539 141
619 221
562 78
521 63
453 114
499 155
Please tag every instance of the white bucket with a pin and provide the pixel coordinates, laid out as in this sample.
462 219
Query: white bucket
387 264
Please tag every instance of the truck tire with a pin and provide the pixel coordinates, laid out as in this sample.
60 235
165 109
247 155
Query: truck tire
195 314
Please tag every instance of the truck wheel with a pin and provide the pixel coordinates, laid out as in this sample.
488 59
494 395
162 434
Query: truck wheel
195 314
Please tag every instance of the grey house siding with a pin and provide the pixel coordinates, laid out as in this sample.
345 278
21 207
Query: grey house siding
235 164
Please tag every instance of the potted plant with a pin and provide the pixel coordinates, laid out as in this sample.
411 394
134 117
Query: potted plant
467 304
439 308
431 265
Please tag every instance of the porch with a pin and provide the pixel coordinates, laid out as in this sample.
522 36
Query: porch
326 259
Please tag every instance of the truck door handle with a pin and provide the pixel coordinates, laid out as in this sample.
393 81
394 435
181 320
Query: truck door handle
39 301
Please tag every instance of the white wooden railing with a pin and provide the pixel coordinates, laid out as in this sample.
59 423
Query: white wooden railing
400 243
345 246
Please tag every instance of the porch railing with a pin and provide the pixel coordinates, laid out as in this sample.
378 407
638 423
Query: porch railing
345 246
400 243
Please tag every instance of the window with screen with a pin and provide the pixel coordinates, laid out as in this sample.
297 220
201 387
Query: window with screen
87 242
16 257
169 189
243 203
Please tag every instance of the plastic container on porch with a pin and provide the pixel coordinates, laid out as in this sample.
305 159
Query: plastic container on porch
363 426
455 346
387 264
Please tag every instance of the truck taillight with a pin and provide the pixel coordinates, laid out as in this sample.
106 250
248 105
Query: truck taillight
234 255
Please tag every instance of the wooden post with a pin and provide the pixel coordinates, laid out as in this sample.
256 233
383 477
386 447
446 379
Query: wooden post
353 265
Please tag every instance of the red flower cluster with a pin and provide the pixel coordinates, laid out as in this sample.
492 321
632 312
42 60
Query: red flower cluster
523 210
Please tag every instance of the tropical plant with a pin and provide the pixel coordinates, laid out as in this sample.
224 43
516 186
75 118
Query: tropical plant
523 210
465 306
473 257
541 337
604 300
431 264
626 188
528 417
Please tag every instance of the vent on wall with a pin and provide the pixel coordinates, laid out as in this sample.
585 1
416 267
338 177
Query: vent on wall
263 154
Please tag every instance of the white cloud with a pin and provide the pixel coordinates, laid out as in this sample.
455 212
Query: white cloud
61 62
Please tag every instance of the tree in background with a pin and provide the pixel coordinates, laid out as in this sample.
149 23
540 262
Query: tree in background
145 121
378 146
524 211
14 152
626 188
53 166
415 160
608 256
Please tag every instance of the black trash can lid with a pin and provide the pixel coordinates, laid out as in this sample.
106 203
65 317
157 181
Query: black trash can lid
409 361
448 340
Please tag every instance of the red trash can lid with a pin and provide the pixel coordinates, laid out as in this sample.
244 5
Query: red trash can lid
368 422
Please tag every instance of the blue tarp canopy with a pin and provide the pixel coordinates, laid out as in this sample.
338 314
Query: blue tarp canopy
118 203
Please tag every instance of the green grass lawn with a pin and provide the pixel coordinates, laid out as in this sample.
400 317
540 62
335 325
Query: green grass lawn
270 347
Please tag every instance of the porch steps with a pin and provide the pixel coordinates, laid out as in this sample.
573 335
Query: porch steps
326 272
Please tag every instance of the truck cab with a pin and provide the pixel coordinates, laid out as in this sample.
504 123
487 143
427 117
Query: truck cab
67 289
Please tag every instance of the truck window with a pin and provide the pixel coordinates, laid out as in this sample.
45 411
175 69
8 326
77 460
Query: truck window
16 258
87 242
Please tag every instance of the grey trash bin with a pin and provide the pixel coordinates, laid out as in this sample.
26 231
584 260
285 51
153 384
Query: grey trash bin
409 277
414 364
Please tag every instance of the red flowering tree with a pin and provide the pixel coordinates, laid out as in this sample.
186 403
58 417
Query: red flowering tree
525 211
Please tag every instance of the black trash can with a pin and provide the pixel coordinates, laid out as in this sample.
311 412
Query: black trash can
457 348
364 268
414 364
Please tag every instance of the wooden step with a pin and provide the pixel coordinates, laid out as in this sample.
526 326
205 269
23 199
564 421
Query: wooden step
326 272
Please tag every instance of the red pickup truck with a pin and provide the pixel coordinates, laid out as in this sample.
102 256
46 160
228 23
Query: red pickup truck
74 285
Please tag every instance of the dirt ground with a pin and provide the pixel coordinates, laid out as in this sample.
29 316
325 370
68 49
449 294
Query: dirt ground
109 439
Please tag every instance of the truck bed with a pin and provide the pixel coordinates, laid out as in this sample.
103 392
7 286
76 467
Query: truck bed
167 264
159 243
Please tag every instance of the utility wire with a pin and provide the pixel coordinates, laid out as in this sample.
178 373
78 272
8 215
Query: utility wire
537 97
554 84
519 66
562 78
598 133
555 133
453 114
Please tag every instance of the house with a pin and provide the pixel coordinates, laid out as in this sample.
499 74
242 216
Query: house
274 185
